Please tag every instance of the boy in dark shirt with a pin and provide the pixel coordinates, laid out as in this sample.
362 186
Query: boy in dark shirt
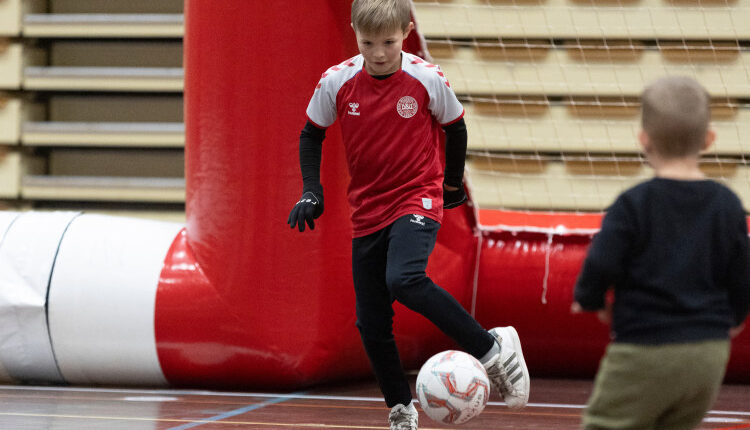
675 251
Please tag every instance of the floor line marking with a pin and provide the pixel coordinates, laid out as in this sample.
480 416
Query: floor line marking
293 405
176 420
292 396
275 424
729 413
236 412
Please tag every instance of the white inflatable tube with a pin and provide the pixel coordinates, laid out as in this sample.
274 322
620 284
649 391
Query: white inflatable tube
28 250
6 219
102 300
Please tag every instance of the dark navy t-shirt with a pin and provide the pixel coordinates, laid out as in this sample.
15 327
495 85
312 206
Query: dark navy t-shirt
676 253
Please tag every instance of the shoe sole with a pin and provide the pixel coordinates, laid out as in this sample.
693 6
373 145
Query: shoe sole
517 347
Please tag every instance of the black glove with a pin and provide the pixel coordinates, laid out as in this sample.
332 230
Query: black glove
452 199
309 207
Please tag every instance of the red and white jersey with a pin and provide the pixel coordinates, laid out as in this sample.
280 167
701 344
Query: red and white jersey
391 137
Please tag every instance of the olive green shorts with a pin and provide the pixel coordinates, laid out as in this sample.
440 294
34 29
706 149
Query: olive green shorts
664 387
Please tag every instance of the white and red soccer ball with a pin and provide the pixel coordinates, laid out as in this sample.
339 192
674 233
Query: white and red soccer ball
452 387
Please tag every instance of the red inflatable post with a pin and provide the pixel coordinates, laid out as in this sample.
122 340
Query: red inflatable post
275 298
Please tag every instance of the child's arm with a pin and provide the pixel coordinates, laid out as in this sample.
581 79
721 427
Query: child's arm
321 113
739 272
456 139
604 262
310 206
310 150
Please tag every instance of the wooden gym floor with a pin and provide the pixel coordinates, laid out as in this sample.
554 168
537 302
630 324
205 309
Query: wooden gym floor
554 404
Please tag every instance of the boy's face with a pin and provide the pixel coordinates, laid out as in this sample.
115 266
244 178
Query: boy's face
382 52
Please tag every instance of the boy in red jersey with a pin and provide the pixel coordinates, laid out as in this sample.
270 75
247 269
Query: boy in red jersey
388 103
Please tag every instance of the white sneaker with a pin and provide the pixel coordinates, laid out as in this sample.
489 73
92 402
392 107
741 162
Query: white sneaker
507 370
403 417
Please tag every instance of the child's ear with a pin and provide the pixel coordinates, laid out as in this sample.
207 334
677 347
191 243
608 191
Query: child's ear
408 30
710 138
644 141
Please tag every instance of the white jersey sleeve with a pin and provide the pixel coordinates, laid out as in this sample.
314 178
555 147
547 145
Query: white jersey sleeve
322 107
444 104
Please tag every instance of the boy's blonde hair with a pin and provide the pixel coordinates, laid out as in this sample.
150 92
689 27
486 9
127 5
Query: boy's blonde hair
676 112
380 16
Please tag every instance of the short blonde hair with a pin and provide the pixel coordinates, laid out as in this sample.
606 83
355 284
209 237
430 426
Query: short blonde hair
380 16
676 112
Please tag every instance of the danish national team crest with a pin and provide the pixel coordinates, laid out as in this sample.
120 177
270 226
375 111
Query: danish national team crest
407 106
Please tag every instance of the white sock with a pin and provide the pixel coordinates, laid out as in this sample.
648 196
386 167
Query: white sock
491 353
410 407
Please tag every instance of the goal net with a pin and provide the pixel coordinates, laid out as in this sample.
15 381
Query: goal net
551 90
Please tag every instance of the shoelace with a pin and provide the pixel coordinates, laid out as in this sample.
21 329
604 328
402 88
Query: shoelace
499 375
402 419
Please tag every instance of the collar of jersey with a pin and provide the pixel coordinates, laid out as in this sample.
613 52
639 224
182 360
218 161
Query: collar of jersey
395 74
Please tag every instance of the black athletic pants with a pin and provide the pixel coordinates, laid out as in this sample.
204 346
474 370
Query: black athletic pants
390 265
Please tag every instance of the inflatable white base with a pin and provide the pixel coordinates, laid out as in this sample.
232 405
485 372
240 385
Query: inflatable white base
77 297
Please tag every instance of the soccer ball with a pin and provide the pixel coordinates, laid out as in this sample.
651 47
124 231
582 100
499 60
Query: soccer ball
452 387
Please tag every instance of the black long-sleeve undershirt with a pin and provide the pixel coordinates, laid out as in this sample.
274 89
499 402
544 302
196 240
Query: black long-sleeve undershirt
310 150
311 146
456 139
